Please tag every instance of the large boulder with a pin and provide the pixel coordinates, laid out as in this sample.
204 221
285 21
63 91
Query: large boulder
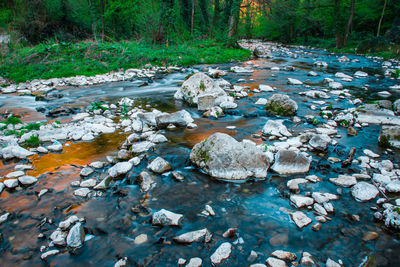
198 84
221 156
15 151
281 105
290 162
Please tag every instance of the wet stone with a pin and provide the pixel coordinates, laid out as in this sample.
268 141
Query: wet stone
222 253
27 180
82 192
159 165
86 171
190 237
119 169
273 262
300 219
76 236
146 181
344 180
284 255
363 191
165 217
195 262
290 162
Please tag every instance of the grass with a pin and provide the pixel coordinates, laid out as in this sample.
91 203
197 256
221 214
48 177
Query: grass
54 60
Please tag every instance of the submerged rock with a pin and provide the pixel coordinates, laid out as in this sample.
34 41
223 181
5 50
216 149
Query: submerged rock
281 105
221 156
300 219
290 162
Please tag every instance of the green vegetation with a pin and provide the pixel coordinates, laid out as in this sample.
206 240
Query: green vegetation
12 120
52 59
97 106
384 141
32 141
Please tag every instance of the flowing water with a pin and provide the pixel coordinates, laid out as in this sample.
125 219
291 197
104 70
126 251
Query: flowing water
258 209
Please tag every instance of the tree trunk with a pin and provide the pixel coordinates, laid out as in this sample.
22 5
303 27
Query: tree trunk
381 19
217 10
339 39
192 19
102 19
350 22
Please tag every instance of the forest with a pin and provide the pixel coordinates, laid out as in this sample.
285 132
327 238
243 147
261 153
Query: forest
370 26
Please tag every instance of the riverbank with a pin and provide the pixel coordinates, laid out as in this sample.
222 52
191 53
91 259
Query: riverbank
56 60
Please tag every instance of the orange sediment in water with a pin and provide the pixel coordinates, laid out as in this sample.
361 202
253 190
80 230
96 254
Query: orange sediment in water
81 153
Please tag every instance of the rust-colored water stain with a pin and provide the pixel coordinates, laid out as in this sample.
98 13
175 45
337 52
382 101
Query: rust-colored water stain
19 203
27 115
60 179
77 153
4 169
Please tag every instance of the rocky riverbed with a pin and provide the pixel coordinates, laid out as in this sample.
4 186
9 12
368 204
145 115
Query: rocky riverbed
288 159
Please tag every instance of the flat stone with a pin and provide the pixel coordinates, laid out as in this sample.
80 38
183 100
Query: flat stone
141 239
190 237
15 174
273 262
222 253
49 253
82 192
284 255
301 201
393 187
86 171
97 164
324 197
120 168
300 219
363 191
164 217
290 162
88 183
344 180
11 183
294 183
27 180
141 147
195 262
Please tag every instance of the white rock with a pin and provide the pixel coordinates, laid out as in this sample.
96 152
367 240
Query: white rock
223 252
273 262
261 101
364 191
11 183
4 217
120 168
15 174
88 183
371 154
294 81
141 239
190 237
76 236
15 151
82 192
300 219
49 253
27 180
195 262
265 88
164 217
275 128
159 165
301 201
344 180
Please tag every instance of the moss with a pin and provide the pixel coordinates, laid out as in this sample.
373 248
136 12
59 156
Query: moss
12 120
279 110
384 141
202 86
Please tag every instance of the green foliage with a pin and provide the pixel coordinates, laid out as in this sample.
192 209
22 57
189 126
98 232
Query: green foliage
396 74
12 120
97 106
384 141
50 60
32 141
